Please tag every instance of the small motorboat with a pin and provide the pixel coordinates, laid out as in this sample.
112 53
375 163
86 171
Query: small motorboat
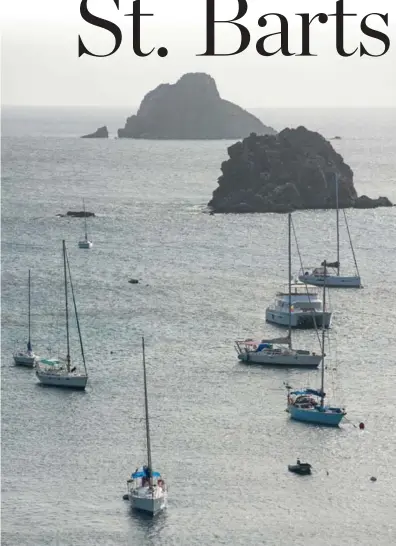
300 468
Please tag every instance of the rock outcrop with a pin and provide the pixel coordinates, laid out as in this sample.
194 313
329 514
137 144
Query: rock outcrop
295 169
78 214
102 132
190 109
364 202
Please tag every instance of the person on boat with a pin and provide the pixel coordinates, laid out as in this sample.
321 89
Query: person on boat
298 462
147 476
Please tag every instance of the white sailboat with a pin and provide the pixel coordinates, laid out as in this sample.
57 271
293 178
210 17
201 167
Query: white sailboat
334 279
307 404
298 307
59 372
85 243
278 351
26 358
147 491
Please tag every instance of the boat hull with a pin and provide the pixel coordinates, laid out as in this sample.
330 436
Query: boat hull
300 469
149 505
332 281
85 244
326 418
29 361
63 381
303 320
288 361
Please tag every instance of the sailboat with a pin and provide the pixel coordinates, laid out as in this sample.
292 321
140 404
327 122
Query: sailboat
315 275
278 351
147 491
298 307
308 404
22 357
60 372
85 243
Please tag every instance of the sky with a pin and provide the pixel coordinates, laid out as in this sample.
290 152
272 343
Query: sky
40 64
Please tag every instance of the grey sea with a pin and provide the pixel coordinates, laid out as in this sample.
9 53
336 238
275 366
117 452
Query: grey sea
220 433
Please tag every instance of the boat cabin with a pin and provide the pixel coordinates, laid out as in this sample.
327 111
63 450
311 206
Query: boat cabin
142 477
305 401
300 298
316 272
265 345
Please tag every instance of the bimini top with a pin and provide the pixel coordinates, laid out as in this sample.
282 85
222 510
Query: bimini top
49 362
142 474
310 391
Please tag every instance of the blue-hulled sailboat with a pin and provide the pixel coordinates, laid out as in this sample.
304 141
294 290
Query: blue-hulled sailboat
308 405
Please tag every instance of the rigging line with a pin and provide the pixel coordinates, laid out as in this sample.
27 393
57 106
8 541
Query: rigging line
330 303
350 242
306 286
75 311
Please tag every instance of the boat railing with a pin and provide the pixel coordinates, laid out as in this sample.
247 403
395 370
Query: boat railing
298 292
319 271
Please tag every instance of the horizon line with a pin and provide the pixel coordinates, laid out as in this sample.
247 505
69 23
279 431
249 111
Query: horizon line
123 106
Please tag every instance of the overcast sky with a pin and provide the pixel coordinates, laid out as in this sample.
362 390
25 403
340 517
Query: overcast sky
40 64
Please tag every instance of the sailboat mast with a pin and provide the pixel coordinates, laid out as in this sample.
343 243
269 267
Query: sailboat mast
146 411
66 307
338 226
29 342
85 221
290 275
323 333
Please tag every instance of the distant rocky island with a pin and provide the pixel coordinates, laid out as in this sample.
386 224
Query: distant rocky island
190 109
292 170
102 132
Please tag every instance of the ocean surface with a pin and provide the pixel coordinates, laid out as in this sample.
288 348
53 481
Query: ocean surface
220 433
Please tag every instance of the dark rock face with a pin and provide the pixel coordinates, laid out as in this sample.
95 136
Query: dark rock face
190 109
295 169
102 132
